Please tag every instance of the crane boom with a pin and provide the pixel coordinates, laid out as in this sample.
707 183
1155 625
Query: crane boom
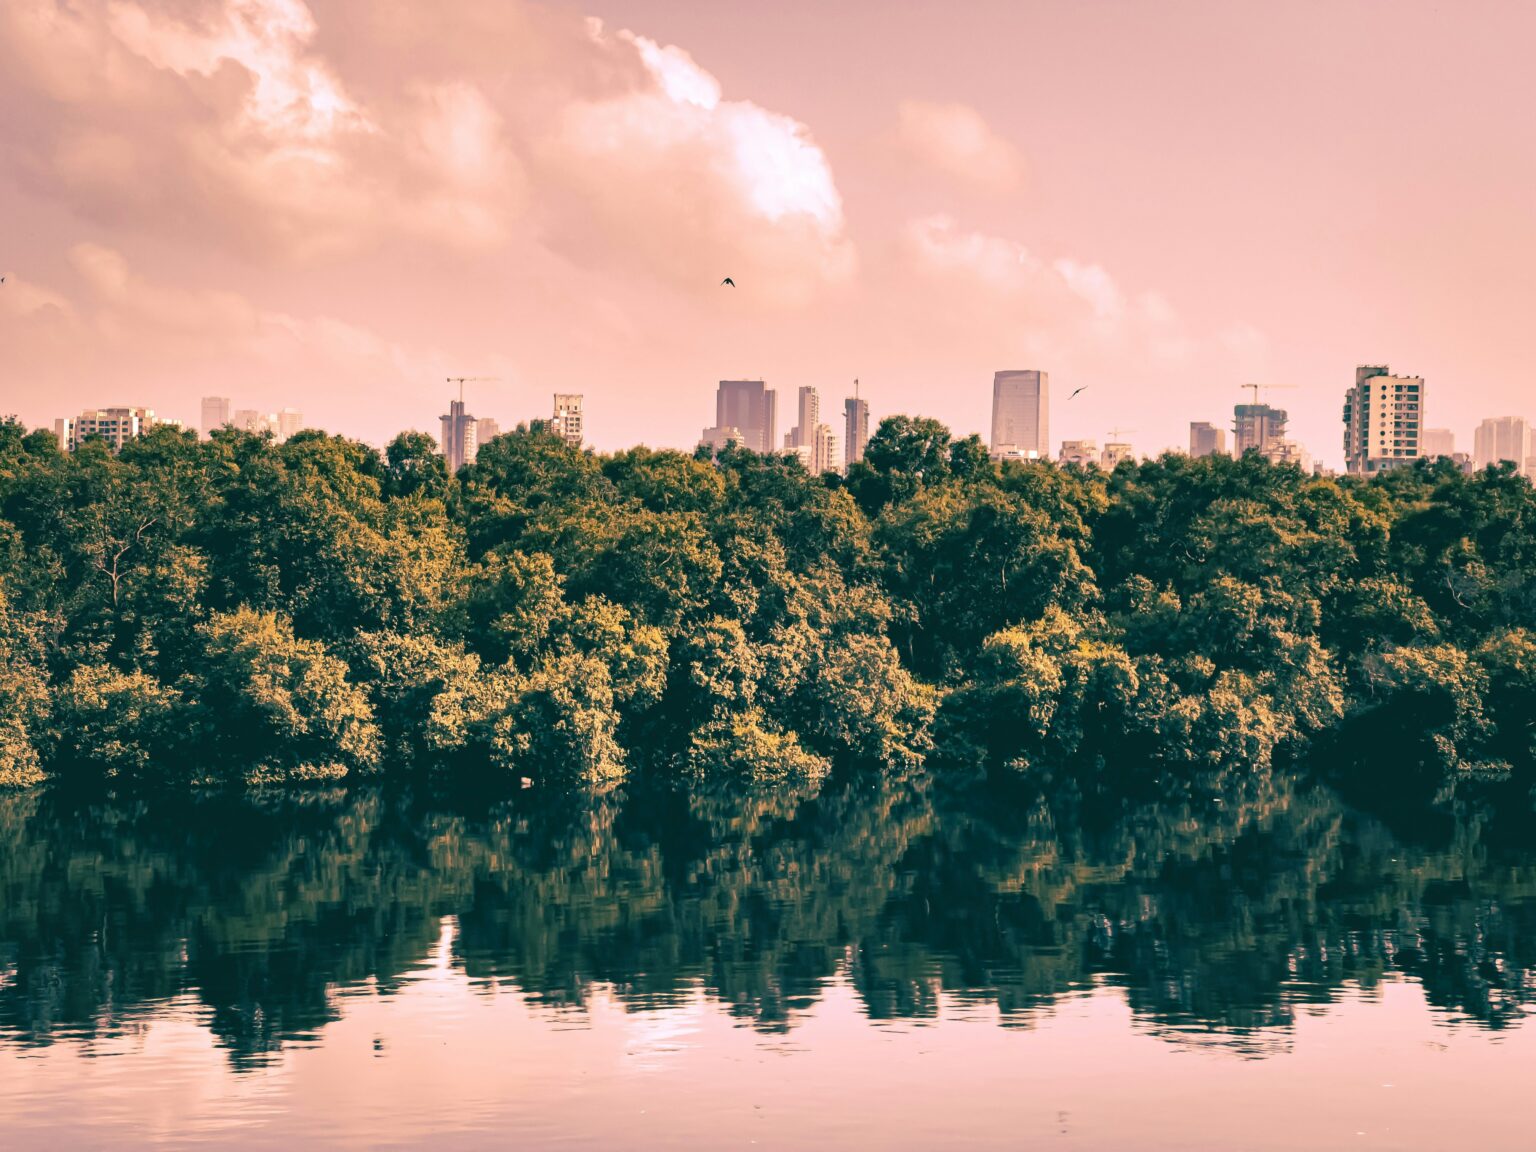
463 380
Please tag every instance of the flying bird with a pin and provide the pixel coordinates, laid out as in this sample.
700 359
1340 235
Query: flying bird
726 281
1078 390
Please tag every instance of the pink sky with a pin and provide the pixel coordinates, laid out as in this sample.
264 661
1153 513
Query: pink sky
334 205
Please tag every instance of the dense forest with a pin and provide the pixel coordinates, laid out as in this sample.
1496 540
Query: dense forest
239 611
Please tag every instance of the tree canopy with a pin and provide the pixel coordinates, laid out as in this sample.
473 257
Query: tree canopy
237 610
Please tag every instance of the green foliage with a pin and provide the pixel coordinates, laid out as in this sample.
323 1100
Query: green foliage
276 707
121 725
234 609
24 703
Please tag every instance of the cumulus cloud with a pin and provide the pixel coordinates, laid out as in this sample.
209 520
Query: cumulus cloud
955 139
228 121
746 190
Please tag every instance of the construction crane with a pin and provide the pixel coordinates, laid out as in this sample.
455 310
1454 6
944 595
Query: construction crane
1256 388
1119 432
463 380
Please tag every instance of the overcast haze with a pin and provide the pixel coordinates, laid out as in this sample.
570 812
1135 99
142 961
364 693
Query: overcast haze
334 205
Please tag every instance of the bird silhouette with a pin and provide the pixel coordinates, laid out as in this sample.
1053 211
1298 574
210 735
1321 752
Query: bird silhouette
1078 390
726 281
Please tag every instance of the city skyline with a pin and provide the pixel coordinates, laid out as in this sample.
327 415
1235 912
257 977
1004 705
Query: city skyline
197 211
1018 395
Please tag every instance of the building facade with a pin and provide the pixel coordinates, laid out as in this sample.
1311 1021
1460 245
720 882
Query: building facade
290 421
855 430
215 414
1288 452
1114 452
1081 452
1502 438
1437 442
1255 425
719 438
748 406
1383 415
116 426
458 438
808 416
1021 414
569 420
486 430
1207 440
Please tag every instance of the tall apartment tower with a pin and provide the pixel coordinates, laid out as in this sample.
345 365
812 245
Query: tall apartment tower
215 414
1256 426
1501 438
1437 442
1383 415
459 436
808 416
748 406
486 430
855 428
1021 413
1207 440
568 421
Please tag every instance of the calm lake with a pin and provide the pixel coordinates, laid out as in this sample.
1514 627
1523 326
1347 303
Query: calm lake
892 965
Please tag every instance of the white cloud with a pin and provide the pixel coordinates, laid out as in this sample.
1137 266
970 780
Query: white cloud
955 139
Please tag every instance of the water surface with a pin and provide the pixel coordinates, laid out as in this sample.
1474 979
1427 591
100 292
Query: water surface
881 966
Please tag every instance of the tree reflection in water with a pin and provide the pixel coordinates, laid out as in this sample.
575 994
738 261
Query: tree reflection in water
1223 916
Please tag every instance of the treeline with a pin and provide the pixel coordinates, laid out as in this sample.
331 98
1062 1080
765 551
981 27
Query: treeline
234 610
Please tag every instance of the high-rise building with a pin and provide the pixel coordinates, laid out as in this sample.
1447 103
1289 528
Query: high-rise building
808 417
1437 442
1255 425
568 421
215 413
1382 417
458 439
1021 413
748 406
1083 452
289 421
116 426
855 428
486 430
824 453
1501 438
1207 440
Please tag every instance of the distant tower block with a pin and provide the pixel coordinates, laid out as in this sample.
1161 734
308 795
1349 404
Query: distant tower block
1383 415
568 422
749 407
215 413
1207 440
855 428
1021 414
